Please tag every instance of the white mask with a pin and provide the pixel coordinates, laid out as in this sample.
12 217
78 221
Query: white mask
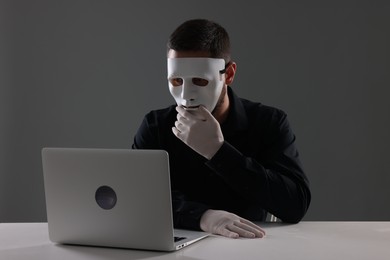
196 81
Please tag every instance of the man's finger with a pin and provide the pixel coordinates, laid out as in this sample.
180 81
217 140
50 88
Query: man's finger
227 233
242 232
204 112
251 231
179 126
176 132
190 114
182 119
182 112
250 223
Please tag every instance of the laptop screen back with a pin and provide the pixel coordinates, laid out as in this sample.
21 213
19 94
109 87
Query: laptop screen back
108 197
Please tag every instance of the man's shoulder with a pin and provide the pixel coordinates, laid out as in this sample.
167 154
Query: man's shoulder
162 113
258 109
265 118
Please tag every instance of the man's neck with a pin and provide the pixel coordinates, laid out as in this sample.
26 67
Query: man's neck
222 111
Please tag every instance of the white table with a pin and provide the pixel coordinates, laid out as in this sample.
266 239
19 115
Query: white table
306 240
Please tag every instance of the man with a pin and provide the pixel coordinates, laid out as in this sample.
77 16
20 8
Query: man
231 160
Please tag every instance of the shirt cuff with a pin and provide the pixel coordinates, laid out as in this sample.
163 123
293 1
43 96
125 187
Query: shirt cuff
226 159
191 219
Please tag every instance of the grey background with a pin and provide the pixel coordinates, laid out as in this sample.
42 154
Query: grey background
84 73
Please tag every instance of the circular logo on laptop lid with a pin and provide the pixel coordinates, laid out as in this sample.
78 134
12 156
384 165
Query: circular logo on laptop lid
105 197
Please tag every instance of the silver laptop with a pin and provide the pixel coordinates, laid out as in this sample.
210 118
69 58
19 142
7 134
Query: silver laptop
112 198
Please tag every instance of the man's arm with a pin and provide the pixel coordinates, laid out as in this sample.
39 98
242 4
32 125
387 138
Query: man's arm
277 183
186 213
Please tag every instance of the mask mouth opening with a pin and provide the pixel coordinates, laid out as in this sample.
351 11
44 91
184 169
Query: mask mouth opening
191 107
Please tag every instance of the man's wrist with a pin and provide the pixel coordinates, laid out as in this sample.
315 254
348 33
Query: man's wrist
213 151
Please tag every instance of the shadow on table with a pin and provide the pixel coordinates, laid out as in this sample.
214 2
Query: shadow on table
96 253
273 224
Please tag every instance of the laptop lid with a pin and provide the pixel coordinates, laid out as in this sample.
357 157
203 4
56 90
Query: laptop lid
110 197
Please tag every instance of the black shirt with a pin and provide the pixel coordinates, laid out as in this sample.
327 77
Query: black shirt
257 169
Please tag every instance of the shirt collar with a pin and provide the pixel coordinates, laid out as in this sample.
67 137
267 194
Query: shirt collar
237 119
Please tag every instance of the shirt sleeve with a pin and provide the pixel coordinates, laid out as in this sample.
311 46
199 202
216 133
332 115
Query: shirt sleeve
276 182
145 137
186 213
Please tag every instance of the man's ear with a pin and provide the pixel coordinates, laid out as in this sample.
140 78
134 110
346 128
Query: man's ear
230 72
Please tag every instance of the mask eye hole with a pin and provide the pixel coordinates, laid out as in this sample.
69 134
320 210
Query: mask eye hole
200 82
176 82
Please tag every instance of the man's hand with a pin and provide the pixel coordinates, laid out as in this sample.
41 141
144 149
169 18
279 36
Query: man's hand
229 225
199 130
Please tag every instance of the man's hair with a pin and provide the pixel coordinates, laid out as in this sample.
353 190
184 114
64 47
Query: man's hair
201 35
